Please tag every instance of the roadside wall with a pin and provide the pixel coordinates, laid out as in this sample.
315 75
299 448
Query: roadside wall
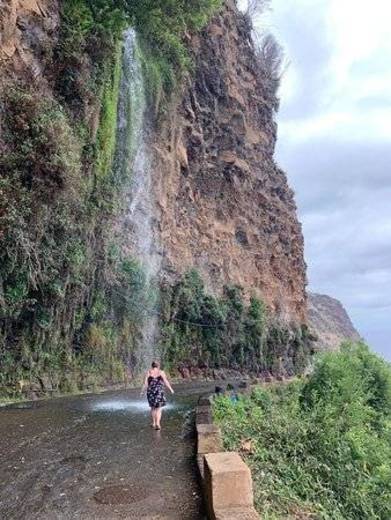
225 478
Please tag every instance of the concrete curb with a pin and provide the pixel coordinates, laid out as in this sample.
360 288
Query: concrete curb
225 478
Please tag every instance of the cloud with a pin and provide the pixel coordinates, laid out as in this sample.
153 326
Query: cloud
308 54
335 144
329 174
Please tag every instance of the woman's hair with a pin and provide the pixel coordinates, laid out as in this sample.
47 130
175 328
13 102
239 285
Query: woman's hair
155 364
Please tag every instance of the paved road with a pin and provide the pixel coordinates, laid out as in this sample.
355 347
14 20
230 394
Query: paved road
96 457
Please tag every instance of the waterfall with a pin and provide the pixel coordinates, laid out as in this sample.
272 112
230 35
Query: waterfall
133 160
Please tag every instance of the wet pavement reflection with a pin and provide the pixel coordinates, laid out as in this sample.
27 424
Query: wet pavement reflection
96 457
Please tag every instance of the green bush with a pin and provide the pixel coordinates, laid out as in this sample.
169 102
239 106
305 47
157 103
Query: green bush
226 331
40 149
320 448
41 184
336 377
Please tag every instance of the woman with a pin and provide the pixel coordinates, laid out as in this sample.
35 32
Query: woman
154 382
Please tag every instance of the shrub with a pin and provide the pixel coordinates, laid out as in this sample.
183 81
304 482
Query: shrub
337 377
41 177
321 448
40 150
225 331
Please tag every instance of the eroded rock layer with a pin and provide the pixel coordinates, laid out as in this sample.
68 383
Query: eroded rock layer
28 33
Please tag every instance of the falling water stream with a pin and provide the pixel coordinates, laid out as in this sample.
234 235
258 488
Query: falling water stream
133 161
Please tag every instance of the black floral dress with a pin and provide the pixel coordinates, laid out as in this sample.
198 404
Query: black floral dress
155 393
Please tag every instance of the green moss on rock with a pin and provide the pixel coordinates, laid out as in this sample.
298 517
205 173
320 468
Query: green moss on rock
106 136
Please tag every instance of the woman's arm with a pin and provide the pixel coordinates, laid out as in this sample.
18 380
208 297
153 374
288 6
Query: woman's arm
166 382
144 387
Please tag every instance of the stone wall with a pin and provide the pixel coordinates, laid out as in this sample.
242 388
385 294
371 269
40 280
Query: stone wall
226 480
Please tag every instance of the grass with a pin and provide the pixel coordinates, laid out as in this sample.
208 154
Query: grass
319 448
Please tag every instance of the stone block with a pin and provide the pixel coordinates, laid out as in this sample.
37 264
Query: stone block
205 408
208 439
205 400
204 414
237 513
200 464
227 481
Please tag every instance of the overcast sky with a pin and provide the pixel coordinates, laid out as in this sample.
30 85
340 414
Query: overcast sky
335 145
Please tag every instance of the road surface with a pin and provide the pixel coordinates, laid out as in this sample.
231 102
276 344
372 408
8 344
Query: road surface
95 457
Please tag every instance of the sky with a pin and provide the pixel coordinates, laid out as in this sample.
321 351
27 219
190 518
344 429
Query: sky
334 142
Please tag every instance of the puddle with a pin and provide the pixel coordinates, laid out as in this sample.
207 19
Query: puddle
22 406
119 405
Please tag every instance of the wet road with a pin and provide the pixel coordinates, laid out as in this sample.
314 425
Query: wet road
96 457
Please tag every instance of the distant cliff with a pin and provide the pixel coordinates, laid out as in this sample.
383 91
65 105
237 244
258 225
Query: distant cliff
329 320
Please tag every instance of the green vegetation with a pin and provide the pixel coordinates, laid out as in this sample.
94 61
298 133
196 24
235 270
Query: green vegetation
95 26
74 335
226 332
319 448
162 26
54 185
87 55
52 189
106 137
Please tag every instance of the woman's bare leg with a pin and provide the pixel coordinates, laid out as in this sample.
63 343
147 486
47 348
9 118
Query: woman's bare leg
153 415
158 416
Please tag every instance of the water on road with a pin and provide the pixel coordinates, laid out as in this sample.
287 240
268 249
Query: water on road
96 457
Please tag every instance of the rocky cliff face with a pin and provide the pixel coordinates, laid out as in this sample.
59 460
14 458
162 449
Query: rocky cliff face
28 33
72 297
225 208
329 320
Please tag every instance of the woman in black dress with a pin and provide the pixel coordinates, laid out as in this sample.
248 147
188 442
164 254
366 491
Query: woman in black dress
155 380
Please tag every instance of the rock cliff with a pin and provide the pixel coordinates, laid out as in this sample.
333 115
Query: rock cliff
329 320
72 296
28 33
225 208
